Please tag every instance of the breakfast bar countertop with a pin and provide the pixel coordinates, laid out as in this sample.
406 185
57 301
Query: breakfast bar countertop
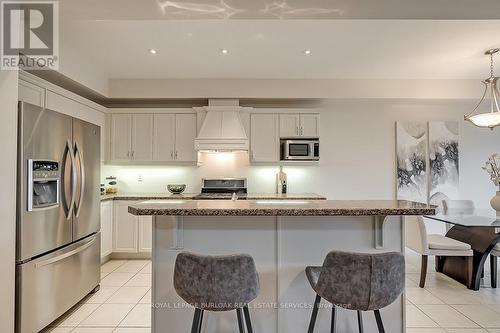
270 207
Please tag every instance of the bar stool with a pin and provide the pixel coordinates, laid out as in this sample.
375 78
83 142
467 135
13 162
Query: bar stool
357 281
217 283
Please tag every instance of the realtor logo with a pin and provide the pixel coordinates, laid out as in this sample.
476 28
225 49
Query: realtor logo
30 35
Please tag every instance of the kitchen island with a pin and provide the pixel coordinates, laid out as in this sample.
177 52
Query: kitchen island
283 236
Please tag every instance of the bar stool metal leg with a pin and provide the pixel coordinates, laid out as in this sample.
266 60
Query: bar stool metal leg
246 313
317 300
201 321
333 325
240 321
493 266
196 321
380 324
360 322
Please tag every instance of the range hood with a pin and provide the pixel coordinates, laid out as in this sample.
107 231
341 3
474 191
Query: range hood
222 129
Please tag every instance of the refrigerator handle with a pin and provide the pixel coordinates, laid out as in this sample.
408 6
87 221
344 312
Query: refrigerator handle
67 254
68 208
82 180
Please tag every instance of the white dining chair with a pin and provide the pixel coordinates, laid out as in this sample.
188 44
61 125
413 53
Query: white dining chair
426 245
462 206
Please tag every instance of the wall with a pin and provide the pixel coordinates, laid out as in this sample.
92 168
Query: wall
357 155
8 144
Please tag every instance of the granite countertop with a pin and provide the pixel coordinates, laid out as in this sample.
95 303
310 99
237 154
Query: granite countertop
147 196
283 208
190 196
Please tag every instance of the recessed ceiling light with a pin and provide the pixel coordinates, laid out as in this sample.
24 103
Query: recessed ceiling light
152 51
224 51
307 52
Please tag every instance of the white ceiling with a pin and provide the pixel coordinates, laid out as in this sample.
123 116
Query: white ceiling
391 49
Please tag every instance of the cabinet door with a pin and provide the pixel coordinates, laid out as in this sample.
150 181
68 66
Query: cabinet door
142 137
163 137
289 125
124 228
309 125
185 133
264 138
121 127
145 233
106 228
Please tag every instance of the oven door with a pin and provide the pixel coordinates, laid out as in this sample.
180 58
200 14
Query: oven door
298 150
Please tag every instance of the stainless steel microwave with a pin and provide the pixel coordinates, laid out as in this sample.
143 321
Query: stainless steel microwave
300 149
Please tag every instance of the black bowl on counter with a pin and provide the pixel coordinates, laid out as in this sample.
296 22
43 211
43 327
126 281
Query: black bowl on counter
176 188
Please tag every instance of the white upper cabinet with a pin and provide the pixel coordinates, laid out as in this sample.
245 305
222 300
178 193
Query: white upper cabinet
164 137
142 137
185 133
299 125
264 140
289 125
121 137
309 125
174 136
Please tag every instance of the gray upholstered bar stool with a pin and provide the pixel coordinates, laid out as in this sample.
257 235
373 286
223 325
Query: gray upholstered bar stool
217 283
357 281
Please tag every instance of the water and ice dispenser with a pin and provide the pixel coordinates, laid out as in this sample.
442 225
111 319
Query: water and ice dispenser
44 178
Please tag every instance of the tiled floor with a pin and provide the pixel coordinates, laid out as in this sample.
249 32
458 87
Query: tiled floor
447 306
122 305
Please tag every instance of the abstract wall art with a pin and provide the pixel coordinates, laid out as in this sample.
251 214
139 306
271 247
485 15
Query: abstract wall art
411 158
427 158
443 161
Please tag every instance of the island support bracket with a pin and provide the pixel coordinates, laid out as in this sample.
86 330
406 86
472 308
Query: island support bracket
378 225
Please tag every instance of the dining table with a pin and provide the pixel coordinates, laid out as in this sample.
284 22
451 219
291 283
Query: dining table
480 228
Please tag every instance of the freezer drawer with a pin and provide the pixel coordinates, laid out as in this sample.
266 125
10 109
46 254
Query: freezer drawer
50 285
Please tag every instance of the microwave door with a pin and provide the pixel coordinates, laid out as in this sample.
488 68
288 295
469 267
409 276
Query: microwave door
298 151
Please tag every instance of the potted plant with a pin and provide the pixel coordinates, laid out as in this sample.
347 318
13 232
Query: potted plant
493 168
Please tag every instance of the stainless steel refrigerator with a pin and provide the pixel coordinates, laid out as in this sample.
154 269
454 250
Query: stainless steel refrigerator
58 215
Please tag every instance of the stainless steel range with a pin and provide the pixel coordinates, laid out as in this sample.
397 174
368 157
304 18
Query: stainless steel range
223 189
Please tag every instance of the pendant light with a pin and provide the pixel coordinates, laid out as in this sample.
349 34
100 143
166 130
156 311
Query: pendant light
492 118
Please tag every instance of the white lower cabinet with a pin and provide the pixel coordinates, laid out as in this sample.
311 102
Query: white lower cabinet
131 234
145 233
124 229
106 228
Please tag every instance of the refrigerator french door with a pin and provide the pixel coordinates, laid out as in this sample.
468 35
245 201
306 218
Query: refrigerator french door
58 219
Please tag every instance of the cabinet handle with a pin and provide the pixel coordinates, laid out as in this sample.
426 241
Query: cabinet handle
175 155
128 154
301 130
172 155
296 130
133 153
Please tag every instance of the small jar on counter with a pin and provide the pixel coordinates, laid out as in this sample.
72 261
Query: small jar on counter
111 186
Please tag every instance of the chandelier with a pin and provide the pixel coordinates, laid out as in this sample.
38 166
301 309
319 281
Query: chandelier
490 119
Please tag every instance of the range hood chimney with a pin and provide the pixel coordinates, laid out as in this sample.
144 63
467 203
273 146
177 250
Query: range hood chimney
222 129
